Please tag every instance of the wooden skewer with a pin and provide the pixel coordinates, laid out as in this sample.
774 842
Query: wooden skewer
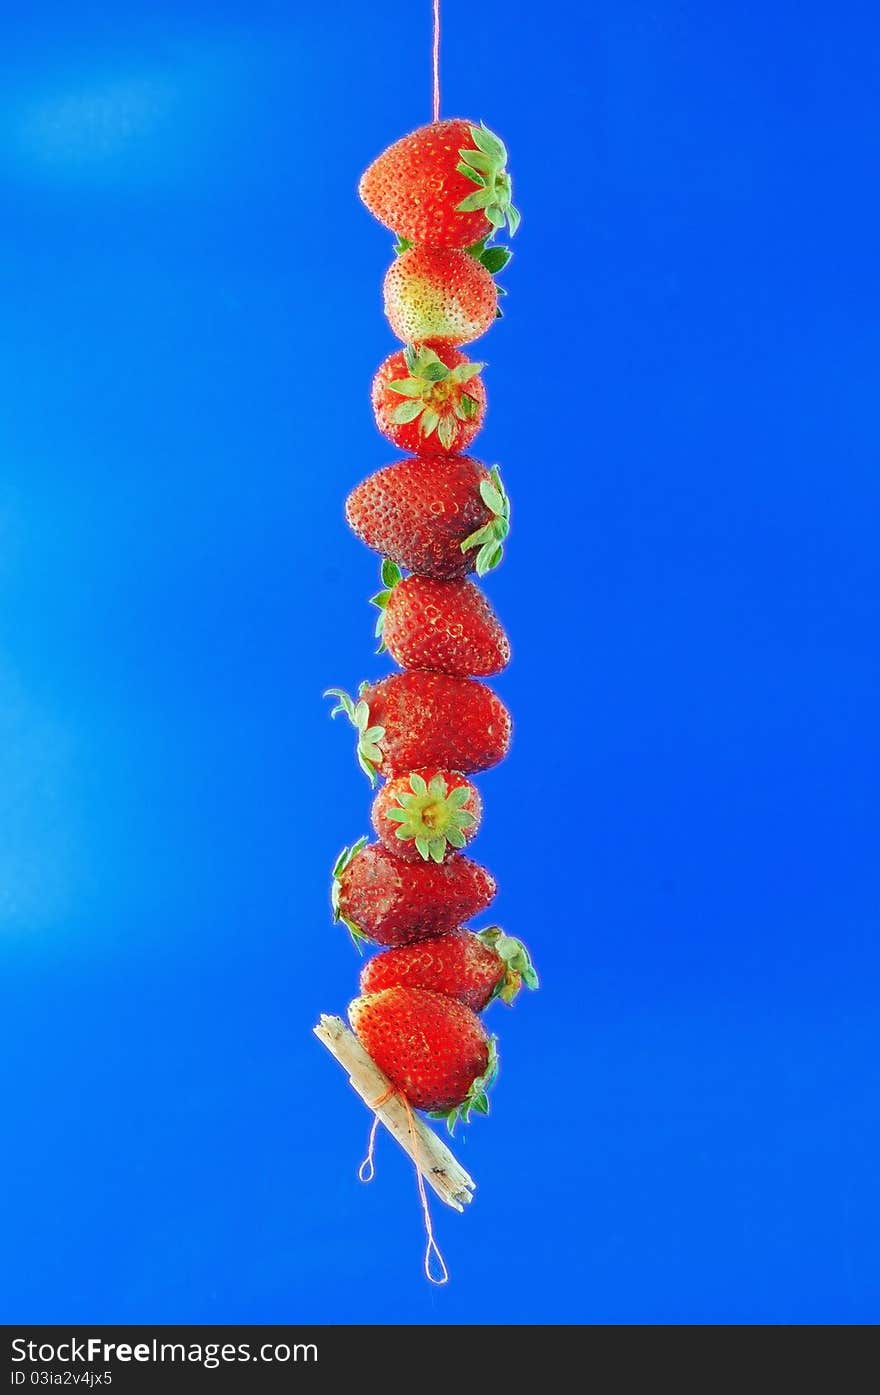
429 1153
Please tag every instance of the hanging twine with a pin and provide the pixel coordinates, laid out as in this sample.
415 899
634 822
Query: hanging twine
367 1171
435 61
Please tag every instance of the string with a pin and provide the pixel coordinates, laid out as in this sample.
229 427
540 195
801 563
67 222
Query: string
367 1170
432 1247
435 60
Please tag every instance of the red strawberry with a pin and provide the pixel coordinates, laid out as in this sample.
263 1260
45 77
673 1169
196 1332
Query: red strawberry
441 516
429 400
432 1049
385 899
437 296
445 185
427 813
472 968
416 718
446 626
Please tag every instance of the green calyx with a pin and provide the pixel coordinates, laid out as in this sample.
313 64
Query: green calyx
486 167
477 1099
431 815
435 395
369 744
345 857
519 968
490 538
391 576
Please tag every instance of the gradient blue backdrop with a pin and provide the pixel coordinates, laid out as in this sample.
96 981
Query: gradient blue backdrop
684 401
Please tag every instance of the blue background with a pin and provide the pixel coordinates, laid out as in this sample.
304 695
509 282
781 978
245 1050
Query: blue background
683 398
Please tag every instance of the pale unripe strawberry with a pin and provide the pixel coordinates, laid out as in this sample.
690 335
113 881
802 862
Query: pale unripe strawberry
437 296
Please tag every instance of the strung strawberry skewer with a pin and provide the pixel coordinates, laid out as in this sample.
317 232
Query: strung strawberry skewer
438 516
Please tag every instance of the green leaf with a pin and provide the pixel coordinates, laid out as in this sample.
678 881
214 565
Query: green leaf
465 371
491 496
430 421
424 847
456 838
482 535
489 143
344 704
361 715
368 769
437 787
407 411
469 406
407 387
417 783
390 572
488 557
402 245
479 160
438 849
481 199
433 372
494 259
494 214
397 815
514 218
410 357
471 174
446 431
460 795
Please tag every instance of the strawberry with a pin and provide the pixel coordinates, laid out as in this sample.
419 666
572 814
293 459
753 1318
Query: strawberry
414 719
427 813
385 899
429 400
437 296
444 185
446 626
432 1049
474 968
440 516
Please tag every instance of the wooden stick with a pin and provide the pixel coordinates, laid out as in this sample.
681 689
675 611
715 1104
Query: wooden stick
429 1153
